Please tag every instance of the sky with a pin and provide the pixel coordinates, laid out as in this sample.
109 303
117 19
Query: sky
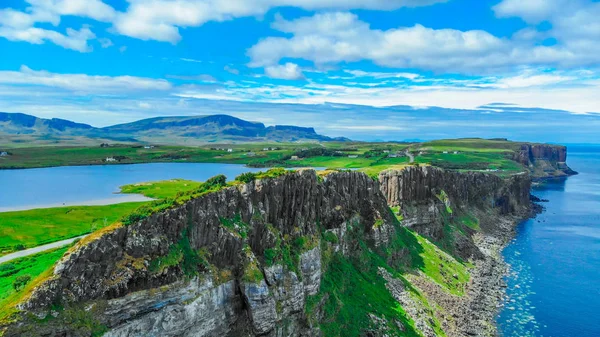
364 69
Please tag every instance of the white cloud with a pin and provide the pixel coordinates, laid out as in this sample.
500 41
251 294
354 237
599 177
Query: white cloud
288 71
20 25
331 38
105 42
73 39
161 19
81 82
93 9
378 75
231 70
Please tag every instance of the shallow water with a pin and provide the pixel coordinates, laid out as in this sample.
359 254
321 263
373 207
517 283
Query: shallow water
554 285
95 185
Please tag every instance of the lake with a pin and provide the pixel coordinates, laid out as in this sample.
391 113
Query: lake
95 185
554 284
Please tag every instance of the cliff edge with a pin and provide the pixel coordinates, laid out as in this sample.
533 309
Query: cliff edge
304 254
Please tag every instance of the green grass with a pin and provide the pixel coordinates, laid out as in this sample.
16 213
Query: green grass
34 266
442 268
40 226
161 189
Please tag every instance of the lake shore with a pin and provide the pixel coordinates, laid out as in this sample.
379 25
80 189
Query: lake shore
121 198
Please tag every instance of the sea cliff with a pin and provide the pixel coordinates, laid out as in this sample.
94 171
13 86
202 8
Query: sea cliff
414 252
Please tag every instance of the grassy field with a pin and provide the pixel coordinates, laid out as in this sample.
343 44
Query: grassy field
161 189
30 267
40 226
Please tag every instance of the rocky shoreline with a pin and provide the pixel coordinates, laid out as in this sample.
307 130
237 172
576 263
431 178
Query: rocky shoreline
487 288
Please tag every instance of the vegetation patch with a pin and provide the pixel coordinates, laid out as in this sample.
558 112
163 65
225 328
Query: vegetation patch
18 277
354 299
25 229
212 185
236 226
184 256
252 272
162 189
272 173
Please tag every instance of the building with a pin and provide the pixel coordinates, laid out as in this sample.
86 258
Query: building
352 156
104 145
110 159
3 154
294 158
149 147
386 151
229 150
393 155
250 154
455 152
445 152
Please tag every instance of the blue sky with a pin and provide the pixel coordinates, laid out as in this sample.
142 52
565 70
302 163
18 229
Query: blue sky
379 69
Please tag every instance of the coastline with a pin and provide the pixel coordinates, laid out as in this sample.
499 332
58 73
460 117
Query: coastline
487 288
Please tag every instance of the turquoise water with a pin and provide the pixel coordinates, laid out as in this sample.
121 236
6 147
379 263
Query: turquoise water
554 284
94 185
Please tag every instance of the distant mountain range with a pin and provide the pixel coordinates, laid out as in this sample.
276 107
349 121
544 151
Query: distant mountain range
189 130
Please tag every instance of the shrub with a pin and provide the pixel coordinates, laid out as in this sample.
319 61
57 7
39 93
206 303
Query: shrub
21 281
19 246
246 177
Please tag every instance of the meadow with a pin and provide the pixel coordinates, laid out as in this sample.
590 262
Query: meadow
26 229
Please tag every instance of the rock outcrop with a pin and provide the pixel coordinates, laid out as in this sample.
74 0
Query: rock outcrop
544 160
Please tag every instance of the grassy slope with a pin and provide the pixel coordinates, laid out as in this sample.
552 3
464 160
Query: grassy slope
352 288
40 226
35 266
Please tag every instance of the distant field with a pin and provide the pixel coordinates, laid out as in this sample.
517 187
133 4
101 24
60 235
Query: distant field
40 226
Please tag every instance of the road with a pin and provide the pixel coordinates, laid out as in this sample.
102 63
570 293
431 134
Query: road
410 156
38 249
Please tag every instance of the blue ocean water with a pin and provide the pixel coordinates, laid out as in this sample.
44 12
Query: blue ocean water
554 284
85 185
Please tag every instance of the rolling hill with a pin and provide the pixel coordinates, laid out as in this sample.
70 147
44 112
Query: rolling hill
20 128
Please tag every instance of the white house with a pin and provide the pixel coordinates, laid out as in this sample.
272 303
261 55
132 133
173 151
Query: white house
229 150
3 154
149 147
294 158
352 156
110 159
445 152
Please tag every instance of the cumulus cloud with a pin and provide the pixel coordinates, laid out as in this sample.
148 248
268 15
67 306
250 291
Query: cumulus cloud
288 71
334 37
161 19
82 82
20 25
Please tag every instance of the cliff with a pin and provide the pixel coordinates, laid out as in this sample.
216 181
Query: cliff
298 255
544 160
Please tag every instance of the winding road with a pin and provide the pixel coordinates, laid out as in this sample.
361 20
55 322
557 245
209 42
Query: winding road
410 156
38 249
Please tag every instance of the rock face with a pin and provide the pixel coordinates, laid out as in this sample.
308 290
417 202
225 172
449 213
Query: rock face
116 273
429 197
544 161
244 260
